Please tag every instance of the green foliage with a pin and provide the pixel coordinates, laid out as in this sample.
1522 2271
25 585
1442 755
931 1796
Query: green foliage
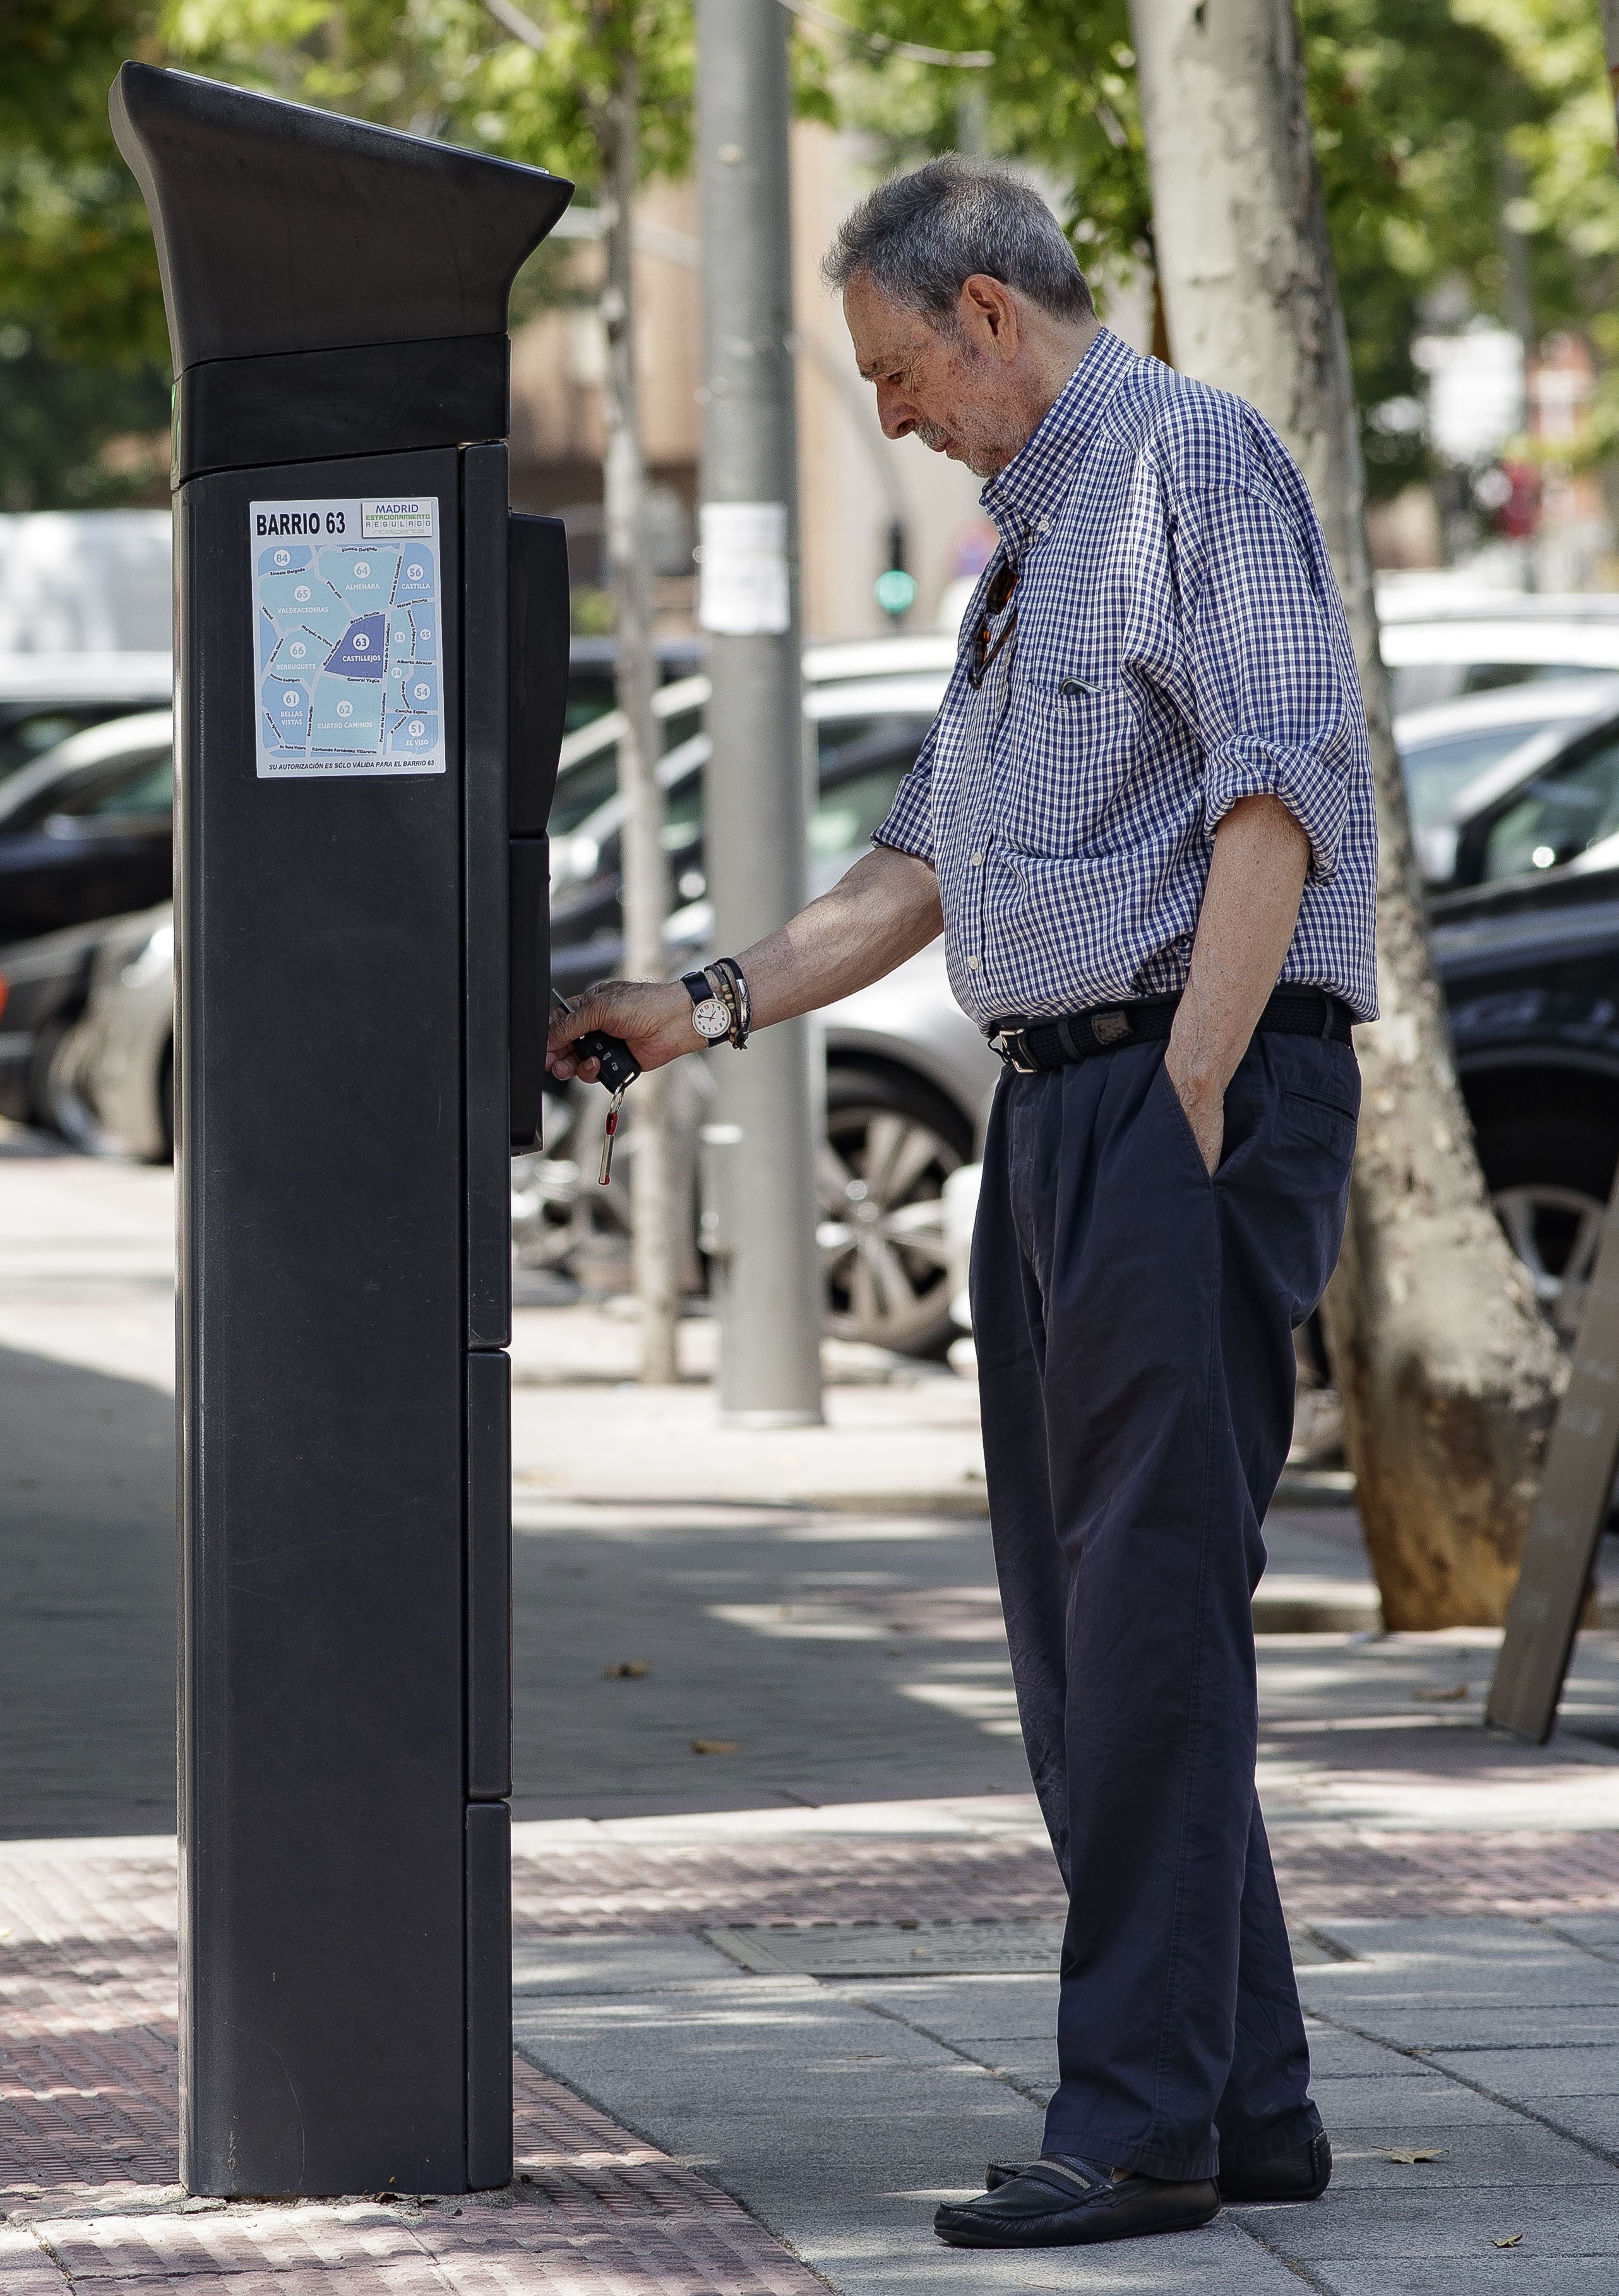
78 437
1415 105
77 271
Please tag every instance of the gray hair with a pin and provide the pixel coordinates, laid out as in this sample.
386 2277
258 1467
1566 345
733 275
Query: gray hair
919 237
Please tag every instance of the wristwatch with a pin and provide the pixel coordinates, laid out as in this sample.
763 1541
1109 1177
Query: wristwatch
709 1015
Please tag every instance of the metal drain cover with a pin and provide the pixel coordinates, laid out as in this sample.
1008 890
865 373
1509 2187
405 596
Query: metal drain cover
895 1948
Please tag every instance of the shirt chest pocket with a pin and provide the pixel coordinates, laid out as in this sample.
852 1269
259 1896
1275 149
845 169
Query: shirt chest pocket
1067 764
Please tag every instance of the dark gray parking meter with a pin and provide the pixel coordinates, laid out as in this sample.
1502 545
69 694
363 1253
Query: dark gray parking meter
370 660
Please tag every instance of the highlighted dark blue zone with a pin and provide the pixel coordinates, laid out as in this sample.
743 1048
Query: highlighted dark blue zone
361 651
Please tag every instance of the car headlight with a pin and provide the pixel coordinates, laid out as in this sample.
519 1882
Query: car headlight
157 958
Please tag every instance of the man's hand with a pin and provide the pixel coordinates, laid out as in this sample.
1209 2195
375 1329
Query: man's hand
652 1017
1204 1110
1244 929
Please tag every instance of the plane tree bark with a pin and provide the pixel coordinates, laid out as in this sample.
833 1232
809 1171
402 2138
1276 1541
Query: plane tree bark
1448 1372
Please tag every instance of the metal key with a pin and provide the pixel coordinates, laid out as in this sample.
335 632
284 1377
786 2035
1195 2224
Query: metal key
609 1135
617 1069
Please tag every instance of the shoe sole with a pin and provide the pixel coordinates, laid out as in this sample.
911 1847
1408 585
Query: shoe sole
965 2238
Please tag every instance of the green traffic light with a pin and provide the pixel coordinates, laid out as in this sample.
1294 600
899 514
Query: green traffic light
896 590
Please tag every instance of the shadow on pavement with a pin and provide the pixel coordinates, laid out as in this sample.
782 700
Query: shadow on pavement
87 1603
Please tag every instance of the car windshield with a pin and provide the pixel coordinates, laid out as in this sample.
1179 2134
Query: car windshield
142 786
1562 812
1437 771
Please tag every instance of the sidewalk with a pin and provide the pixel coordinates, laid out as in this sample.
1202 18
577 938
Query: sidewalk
777 1996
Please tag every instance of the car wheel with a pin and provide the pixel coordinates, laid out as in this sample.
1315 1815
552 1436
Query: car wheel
1549 1178
892 1141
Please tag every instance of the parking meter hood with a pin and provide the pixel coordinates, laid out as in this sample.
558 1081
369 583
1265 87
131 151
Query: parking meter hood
280 228
296 245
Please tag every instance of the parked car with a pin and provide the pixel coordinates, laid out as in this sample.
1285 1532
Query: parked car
908 1076
1463 760
45 986
47 697
87 831
1442 644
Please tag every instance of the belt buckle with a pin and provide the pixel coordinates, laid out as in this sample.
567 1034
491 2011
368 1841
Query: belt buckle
1014 1050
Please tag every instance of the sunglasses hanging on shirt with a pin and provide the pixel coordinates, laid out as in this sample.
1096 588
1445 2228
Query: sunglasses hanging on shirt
996 599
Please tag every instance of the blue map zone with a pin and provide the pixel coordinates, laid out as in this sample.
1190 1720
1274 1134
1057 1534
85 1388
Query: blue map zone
348 650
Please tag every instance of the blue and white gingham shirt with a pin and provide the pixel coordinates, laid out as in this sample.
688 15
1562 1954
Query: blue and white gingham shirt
1180 645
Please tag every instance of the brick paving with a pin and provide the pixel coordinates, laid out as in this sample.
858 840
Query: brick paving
87 2068
623 1889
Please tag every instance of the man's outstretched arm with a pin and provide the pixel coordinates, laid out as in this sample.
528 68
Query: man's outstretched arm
884 910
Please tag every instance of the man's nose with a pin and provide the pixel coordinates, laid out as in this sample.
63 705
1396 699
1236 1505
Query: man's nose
895 413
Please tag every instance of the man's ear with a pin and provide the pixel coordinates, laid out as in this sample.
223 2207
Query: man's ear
987 316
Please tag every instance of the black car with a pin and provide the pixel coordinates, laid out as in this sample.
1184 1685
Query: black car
1531 972
43 984
87 831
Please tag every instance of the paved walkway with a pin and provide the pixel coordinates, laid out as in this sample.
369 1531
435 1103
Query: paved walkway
817 1610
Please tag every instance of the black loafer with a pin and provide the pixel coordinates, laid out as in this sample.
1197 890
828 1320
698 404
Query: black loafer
1302 2173
1065 2203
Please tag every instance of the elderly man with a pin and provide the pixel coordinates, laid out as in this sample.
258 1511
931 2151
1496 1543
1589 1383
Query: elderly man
1144 820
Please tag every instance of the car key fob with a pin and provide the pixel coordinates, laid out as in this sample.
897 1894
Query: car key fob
619 1066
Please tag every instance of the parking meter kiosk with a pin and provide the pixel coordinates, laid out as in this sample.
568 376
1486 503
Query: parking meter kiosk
370 656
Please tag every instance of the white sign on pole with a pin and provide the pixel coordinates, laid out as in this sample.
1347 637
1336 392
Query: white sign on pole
743 589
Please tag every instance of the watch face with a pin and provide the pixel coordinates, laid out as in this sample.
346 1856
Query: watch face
710 1019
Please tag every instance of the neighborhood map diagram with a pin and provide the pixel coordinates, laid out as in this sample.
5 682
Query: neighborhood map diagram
346 615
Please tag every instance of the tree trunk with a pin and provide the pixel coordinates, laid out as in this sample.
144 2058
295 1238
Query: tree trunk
646 870
1448 1372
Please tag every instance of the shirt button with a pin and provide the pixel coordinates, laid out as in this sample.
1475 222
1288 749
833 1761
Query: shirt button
972 965
977 860
1044 527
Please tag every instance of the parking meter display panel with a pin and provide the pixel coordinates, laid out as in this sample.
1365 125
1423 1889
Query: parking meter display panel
321 995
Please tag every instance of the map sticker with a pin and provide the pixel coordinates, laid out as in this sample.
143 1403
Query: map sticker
346 600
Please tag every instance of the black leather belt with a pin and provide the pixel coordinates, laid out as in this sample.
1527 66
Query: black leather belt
1033 1047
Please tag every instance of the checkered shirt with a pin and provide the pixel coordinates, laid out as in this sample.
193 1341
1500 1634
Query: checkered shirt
1180 643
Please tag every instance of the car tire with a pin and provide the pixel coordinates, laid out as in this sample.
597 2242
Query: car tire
892 1141
1550 1177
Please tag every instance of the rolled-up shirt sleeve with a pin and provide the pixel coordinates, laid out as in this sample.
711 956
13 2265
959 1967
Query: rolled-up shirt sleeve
1276 694
909 827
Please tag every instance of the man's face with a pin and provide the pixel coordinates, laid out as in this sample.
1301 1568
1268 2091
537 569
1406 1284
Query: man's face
936 380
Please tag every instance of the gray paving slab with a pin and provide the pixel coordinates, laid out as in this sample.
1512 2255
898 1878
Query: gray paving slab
1347 2227
1333 2050
1499 2149
1486 2026
1521 2271
1534 2074
1598 1932
1408 2109
985 2009
1593 2119
594 1966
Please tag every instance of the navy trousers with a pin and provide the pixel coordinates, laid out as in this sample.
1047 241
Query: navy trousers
1133 1322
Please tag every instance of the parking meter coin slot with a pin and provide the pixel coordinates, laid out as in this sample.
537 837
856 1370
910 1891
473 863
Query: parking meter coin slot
528 914
539 667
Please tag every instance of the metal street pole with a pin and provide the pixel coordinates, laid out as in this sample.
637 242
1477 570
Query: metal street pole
761 1152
